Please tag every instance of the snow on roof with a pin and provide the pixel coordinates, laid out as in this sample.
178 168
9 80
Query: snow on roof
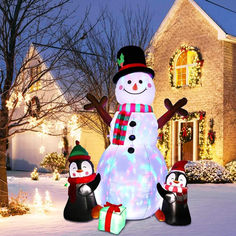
224 18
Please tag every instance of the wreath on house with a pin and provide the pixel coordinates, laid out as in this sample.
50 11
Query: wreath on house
186 134
195 75
34 107
211 136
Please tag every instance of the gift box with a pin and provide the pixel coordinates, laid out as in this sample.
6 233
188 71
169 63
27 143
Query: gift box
112 218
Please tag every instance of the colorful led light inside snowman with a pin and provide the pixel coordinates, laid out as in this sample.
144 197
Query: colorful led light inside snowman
132 165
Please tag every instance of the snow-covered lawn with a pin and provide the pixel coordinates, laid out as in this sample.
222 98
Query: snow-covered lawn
212 208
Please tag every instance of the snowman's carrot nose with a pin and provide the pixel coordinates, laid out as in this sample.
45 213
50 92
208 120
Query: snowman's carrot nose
135 87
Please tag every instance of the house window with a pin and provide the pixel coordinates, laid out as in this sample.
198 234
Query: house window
35 73
185 67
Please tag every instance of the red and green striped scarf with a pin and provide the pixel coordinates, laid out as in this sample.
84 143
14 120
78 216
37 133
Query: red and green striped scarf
122 120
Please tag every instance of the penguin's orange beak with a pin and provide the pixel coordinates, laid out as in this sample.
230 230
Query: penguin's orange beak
79 171
176 182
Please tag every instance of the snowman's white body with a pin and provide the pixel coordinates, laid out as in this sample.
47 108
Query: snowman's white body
130 178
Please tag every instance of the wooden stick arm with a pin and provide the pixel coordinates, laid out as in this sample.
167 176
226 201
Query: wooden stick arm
99 106
172 110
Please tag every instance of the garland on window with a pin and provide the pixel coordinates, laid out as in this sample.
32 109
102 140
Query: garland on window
194 76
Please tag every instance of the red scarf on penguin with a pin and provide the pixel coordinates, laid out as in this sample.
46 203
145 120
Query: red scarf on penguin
79 180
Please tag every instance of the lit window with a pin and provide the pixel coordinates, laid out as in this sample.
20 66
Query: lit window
184 65
34 75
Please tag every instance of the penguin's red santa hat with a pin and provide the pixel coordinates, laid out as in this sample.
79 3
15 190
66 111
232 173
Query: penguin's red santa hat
179 166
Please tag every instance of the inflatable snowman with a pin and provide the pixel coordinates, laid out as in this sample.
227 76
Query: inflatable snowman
132 165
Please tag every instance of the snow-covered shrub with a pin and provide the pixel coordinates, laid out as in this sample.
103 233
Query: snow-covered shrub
16 206
231 167
206 171
53 161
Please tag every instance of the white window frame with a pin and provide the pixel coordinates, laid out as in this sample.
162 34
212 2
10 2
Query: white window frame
180 67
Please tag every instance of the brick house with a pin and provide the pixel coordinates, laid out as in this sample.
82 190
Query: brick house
193 54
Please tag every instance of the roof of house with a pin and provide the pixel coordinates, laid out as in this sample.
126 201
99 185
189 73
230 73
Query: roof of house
223 20
219 13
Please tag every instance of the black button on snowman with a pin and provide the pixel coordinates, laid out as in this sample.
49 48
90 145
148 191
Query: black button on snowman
132 165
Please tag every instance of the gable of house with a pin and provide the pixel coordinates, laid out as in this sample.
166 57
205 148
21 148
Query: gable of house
186 23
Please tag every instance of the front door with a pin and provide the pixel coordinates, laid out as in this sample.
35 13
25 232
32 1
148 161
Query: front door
187 148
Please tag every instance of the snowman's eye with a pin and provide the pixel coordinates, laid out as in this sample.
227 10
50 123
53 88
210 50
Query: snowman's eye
140 81
129 82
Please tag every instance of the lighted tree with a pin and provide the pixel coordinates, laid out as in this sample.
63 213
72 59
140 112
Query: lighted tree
54 161
24 78
35 175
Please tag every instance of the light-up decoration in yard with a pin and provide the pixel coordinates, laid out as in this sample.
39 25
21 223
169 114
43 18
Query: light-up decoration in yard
132 165
41 206
56 175
47 201
35 175
38 204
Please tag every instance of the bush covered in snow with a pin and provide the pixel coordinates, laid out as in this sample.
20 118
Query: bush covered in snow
206 171
16 206
53 161
231 167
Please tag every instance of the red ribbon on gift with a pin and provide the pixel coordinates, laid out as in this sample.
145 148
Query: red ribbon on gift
112 208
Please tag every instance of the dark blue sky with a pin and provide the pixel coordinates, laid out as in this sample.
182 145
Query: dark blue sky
158 8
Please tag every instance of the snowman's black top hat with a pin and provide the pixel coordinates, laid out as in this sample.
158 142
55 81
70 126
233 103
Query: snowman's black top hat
131 59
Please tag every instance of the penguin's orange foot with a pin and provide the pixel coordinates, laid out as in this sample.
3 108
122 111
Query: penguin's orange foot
95 211
160 215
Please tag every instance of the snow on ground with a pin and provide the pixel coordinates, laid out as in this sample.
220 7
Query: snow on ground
212 208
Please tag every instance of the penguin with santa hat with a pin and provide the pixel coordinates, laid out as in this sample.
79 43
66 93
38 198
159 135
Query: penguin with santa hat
175 209
81 205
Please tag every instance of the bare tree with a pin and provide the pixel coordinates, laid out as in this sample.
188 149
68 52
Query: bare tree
97 72
24 80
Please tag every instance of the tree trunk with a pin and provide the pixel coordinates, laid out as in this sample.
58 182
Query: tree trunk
105 136
3 170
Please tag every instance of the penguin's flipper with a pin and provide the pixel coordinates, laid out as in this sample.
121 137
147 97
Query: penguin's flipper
84 190
170 197
93 184
161 190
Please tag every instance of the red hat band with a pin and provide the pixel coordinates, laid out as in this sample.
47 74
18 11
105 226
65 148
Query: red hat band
132 65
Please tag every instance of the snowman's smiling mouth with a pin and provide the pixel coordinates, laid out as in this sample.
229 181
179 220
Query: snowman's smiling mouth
135 93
